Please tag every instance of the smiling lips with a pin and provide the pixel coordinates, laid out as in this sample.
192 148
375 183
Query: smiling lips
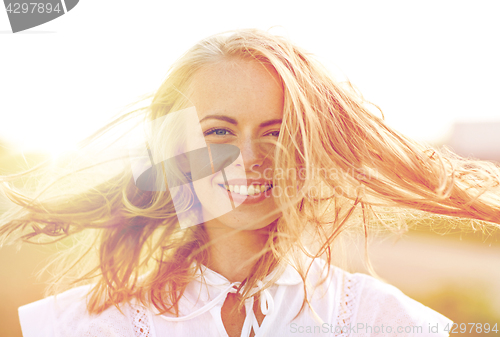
247 190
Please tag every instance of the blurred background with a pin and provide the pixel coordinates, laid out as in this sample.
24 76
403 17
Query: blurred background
432 67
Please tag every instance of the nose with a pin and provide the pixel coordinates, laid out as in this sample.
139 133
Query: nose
252 153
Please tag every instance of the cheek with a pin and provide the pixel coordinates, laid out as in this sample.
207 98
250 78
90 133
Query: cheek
214 200
204 190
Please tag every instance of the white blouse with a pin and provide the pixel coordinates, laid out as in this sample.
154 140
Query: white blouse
355 305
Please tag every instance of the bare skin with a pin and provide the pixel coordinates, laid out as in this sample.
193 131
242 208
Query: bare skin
233 320
250 94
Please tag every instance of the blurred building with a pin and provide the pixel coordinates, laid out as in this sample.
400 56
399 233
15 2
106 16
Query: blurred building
478 140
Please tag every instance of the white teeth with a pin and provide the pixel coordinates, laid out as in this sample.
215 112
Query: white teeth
250 190
243 190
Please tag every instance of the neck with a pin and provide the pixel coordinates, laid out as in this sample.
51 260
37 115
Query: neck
234 252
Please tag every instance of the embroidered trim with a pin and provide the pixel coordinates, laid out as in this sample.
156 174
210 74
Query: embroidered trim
347 305
140 321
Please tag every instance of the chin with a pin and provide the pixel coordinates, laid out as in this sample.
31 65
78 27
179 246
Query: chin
241 220
221 207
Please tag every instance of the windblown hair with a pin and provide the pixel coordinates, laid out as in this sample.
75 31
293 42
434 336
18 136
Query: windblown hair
349 168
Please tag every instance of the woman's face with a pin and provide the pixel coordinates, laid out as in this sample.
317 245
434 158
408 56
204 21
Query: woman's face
239 102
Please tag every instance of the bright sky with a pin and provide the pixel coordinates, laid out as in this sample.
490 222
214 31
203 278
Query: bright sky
427 64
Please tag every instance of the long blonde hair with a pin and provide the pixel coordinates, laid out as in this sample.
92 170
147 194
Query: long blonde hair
347 165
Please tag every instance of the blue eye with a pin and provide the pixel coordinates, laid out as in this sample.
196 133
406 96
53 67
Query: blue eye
218 132
274 133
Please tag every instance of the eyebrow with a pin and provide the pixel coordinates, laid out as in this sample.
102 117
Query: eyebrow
233 121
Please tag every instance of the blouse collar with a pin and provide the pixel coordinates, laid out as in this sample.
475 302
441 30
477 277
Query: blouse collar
209 290
289 276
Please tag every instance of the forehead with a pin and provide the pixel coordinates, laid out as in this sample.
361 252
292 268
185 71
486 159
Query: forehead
239 88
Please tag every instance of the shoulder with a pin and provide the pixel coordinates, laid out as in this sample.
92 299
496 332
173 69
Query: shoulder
380 304
66 315
366 305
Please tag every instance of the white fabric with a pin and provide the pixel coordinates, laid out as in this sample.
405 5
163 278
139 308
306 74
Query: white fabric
355 305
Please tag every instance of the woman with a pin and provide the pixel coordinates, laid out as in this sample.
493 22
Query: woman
252 162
